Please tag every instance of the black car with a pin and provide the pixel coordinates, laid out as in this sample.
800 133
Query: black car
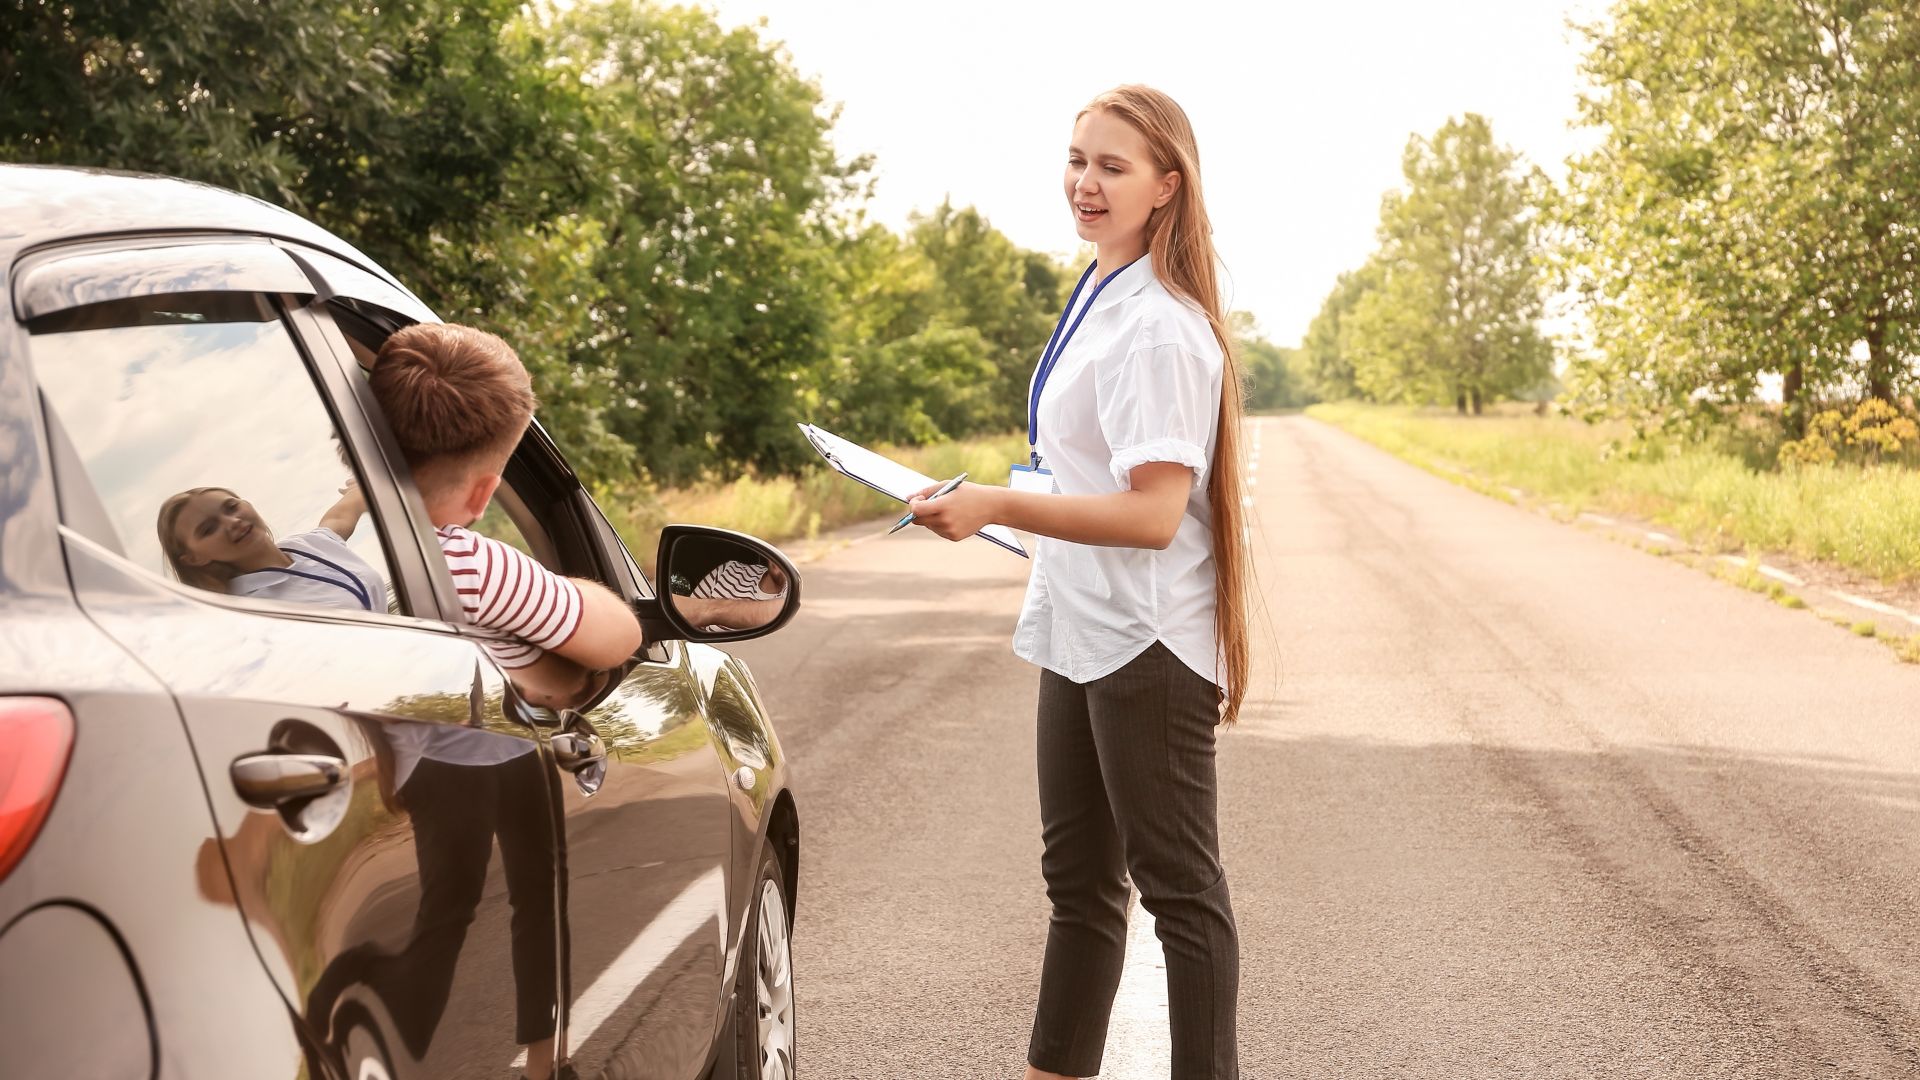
255 834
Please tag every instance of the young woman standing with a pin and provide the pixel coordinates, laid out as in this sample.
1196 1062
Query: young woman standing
1136 609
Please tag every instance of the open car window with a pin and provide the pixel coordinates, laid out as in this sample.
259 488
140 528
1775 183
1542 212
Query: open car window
536 508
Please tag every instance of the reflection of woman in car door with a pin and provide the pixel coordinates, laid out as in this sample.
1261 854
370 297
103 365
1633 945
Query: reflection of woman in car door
461 787
215 540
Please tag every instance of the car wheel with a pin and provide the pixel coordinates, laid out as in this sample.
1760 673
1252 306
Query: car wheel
763 995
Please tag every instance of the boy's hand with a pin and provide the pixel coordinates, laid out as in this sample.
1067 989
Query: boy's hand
959 513
734 614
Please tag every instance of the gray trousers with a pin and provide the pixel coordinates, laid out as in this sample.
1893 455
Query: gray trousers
1127 787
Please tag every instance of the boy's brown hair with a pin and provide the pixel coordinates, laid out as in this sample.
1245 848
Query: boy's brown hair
457 398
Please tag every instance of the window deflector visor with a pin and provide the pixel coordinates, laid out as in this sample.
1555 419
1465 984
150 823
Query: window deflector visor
68 278
338 278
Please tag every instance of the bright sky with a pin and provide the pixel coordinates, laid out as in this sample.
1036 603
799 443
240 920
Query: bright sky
1301 110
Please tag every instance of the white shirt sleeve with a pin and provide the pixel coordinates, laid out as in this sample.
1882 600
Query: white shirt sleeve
1158 403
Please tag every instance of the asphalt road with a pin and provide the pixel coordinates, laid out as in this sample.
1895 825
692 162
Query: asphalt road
1510 800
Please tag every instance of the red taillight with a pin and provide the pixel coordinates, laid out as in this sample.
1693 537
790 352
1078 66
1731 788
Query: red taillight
36 736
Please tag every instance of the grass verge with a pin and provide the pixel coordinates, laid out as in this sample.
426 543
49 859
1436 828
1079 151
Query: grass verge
1864 519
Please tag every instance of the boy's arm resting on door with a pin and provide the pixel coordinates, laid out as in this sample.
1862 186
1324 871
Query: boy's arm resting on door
609 632
734 613
552 681
507 590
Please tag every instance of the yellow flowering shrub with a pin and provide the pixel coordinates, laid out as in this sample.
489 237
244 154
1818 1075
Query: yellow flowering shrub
1874 432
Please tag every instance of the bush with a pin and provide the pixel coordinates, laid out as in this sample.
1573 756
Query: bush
1875 432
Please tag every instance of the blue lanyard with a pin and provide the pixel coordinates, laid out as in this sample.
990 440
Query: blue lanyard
352 584
1056 346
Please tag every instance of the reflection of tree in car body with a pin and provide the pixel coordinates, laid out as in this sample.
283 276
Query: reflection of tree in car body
658 695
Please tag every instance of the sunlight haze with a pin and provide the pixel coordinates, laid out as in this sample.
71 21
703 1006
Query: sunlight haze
1301 111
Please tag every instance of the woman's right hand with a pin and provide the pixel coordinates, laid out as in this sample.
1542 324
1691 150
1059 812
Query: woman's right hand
959 513
345 513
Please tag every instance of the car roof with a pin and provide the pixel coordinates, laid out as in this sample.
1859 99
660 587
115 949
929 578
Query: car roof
47 204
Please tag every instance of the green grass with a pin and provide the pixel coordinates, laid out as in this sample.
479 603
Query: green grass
1748 577
782 508
1906 648
1865 519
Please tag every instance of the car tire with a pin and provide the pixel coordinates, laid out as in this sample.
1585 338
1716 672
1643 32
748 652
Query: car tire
763 994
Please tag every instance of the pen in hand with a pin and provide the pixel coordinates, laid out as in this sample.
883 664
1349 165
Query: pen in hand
944 488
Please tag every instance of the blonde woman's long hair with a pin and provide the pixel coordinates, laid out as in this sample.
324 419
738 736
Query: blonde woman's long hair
1180 240
212 577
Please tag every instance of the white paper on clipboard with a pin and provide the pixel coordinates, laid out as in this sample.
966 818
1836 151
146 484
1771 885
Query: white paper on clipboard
889 477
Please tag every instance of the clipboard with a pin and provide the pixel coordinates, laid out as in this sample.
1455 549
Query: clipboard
889 477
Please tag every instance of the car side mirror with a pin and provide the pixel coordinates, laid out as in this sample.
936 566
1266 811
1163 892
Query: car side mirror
718 586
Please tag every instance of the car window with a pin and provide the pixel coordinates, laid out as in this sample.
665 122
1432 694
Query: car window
209 449
509 518
504 520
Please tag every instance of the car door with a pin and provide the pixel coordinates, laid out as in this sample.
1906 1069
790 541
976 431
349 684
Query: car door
646 808
649 831
384 819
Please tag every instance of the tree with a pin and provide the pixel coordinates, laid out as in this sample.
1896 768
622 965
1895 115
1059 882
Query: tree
1326 356
1271 372
645 204
718 208
439 136
936 333
1748 211
1009 295
1452 316
405 127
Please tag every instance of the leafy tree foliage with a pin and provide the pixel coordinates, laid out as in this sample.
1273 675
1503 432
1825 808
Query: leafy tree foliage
1452 316
1748 211
1445 310
645 204
1327 351
1272 373
718 183
1012 296
405 127
938 330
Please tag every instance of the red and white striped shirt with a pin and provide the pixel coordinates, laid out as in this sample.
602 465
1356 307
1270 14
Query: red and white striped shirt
504 589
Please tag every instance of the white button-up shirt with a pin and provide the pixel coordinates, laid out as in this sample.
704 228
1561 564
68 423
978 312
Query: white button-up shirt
1139 382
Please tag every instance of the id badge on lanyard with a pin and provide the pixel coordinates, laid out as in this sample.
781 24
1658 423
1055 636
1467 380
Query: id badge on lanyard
1032 476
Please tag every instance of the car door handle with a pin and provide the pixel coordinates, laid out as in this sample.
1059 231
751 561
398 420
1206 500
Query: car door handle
270 781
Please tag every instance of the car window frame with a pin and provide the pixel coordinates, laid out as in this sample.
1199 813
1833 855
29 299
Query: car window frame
78 500
542 481
363 427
